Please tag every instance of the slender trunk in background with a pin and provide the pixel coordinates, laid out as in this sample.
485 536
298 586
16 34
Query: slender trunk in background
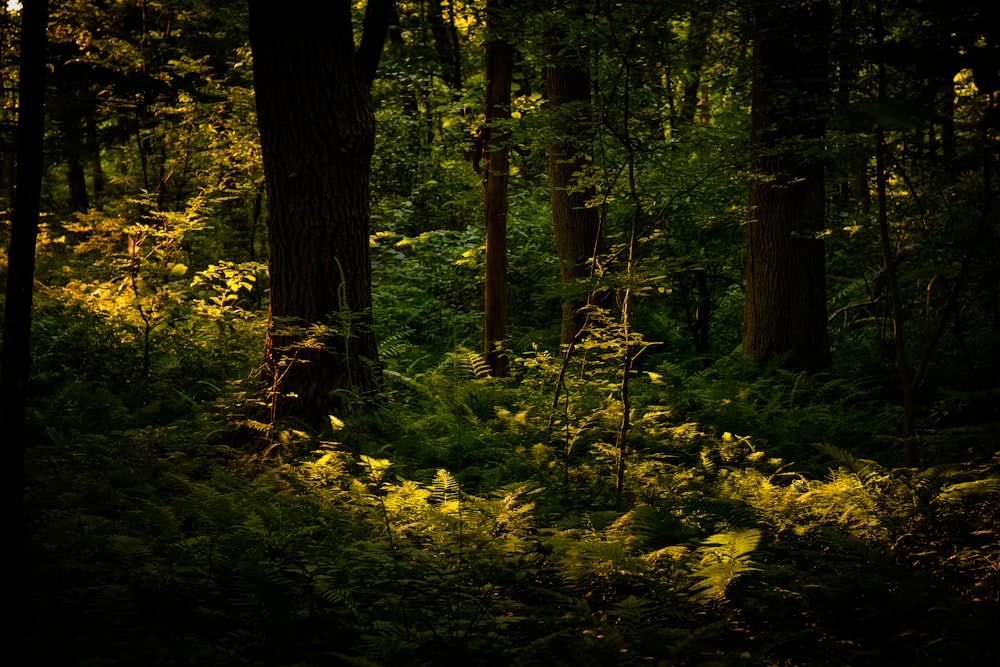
499 75
75 153
16 359
854 162
96 167
891 272
695 48
576 226
911 375
446 42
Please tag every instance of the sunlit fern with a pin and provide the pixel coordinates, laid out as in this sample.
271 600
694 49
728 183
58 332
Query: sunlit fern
464 364
723 558
864 469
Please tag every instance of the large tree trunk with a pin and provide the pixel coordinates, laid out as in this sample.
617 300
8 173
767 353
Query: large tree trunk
317 138
785 313
499 73
576 226
16 358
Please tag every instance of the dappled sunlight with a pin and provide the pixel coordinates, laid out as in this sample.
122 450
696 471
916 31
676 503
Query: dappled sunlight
263 420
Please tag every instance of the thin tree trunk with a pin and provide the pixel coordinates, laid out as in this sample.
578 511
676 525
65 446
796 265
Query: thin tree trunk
703 318
499 73
16 355
895 298
853 171
695 48
576 226
74 152
96 167
8 95
77 181
445 42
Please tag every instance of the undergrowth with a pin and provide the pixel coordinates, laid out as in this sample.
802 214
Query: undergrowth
477 525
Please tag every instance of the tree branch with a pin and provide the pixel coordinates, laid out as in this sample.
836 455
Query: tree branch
378 14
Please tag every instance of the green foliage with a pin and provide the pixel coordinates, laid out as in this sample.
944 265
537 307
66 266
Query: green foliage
454 518
447 546
722 559
425 283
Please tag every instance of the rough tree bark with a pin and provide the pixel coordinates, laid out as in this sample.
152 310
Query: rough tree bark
317 137
499 74
785 312
16 359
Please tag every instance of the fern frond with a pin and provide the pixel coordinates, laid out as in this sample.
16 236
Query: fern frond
477 365
129 548
672 553
444 488
956 492
865 470
471 364
338 596
935 475
647 527
724 558
254 425
707 462
632 608
393 345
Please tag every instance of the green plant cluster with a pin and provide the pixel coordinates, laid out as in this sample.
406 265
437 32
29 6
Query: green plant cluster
465 523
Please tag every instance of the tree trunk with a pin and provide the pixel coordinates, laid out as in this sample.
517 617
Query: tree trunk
785 312
16 359
8 116
695 48
575 225
73 152
96 167
446 42
499 73
77 180
317 137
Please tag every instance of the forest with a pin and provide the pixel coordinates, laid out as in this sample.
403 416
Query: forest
500 332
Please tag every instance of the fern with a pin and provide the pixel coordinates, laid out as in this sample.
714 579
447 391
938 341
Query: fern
707 462
633 609
477 365
723 558
445 492
962 490
394 345
464 364
864 469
